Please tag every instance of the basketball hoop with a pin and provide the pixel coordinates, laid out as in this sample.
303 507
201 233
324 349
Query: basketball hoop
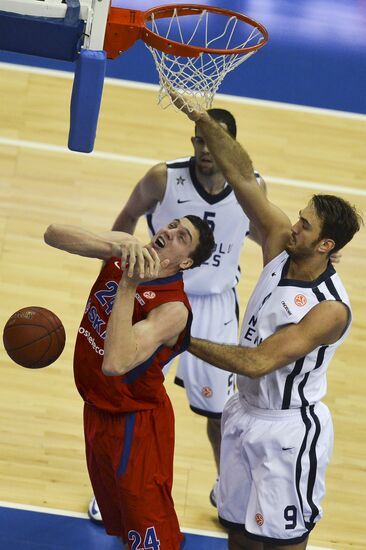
194 47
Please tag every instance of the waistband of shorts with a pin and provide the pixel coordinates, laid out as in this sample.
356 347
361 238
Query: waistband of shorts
106 412
91 406
275 414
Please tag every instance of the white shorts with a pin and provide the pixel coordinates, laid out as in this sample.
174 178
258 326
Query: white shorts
215 318
272 470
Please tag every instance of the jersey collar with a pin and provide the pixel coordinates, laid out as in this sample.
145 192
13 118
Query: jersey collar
211 199
329 271
164 280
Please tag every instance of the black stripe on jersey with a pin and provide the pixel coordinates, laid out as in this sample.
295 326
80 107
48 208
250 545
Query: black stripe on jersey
149 223
237 279
286 401
304 401
179 164
207 414
320 296
211 199
320 357
313 465
237 312
298 472
332 289
318 363
313 462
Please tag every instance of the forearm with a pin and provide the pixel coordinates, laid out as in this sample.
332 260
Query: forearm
233 160
232 358
79 241
125 222
120 344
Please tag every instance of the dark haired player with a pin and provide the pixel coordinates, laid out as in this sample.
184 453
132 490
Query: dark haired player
167 191
277 434
130 329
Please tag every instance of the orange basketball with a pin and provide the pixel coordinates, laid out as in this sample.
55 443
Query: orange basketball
34 337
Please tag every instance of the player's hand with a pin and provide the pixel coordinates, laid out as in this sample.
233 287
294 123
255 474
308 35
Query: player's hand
136 261
142 264
131 256
182 104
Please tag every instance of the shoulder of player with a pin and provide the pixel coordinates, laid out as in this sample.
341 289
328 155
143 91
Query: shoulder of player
154 182
157 174
332 309
329 318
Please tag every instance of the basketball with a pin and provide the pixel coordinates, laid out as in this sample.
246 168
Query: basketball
34 337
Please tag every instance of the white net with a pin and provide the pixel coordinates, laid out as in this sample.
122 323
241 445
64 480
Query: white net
197 79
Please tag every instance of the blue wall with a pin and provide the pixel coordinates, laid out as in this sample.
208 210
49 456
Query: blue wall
316 54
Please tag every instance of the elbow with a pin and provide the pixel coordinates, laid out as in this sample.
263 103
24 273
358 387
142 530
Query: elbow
49 235
108 369
117 362
52 235
258 367
253 374
112 368
253 363
245 370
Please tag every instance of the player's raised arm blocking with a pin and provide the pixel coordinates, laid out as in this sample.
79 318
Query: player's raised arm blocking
271 224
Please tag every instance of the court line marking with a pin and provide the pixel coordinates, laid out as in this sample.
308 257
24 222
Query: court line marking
222 97
313 185
80 515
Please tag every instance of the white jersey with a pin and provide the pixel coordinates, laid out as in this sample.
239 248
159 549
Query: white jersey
275 303
185 195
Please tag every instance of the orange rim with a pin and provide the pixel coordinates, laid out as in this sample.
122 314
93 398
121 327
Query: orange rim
177 48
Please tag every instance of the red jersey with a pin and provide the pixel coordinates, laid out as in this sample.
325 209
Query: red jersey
142 388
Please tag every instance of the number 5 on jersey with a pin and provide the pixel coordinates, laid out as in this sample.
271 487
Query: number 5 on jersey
207 216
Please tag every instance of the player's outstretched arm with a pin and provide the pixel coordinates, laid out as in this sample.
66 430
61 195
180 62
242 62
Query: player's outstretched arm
146 194
323 325
77 240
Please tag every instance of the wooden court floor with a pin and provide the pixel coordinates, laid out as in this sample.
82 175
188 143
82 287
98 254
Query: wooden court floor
41 443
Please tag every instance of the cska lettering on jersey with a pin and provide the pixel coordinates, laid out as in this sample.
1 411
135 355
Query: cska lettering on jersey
105 297
250 334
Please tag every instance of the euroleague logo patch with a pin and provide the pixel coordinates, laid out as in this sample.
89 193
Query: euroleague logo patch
259 519
207 392
149 294
300 300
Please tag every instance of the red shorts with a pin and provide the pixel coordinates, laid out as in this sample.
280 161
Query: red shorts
130 464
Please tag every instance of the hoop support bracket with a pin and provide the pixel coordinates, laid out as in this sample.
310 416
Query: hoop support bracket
124 27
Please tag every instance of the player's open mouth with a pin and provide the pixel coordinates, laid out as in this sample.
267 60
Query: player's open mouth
160 242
